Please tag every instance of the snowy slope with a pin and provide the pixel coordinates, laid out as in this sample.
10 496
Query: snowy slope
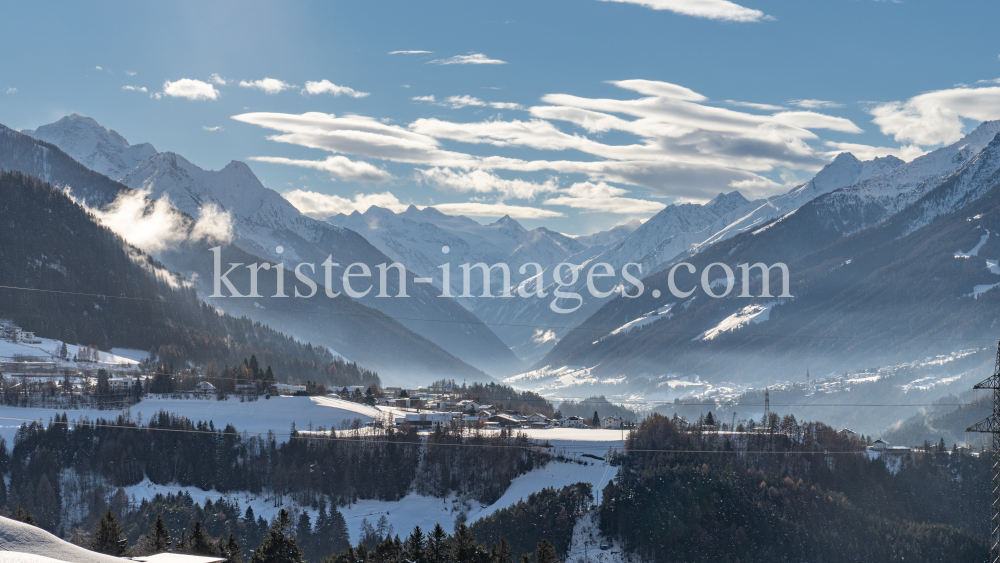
415 238
845 170
260 416
19 537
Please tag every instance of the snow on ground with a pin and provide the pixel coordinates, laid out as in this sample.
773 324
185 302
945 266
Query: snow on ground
413 509
49 349
134 355
742 318
650 317
585 547
277 413
19 537
975 249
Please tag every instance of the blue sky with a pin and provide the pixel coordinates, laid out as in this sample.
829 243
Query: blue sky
589 114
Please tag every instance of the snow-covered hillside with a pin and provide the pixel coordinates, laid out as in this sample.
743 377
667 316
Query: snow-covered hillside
23 543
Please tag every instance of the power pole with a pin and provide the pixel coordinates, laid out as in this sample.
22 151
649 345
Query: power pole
991 425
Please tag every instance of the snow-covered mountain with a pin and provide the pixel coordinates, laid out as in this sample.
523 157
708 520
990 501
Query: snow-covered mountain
891 267
416 237
844 170
611 236
263 221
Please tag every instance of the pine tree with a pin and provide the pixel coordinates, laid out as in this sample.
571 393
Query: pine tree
64 352
437 545
505 555
597 420
233 552
463 544
546 553
109 536
182 542
278 547
415 546
201 542
23 515
159 536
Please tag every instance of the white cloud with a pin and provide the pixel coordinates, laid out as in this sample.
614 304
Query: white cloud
496 210
936 117
340 167
542 336
463 101
155 226
409 52
98 68
216 79
130 72
473 59
323 206
765 107
216 128
481 181
267 85
709 9
191 89
135 89
867 152
327 87
601 197
815 104
505 105
671 142
11 90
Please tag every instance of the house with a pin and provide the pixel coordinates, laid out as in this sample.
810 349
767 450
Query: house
505 421
879 445
572 422
286 389
538 417
613 422
848 433
204 387
428 420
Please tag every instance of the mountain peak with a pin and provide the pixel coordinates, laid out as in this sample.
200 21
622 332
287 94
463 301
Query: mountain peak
724 203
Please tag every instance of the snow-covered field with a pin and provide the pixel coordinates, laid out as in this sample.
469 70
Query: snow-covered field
49 349
412 510
276 414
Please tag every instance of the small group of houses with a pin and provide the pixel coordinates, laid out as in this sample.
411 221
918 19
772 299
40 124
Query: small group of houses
882 446
13 333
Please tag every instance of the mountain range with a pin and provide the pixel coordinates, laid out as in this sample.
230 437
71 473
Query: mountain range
878 251
263 221
351 329
896 266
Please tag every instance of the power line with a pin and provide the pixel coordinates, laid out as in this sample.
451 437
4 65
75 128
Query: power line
481 322
320 437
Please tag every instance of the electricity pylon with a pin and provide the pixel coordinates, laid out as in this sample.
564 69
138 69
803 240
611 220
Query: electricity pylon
991 425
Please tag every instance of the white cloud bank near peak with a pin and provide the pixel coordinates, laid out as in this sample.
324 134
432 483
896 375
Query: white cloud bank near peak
266 85
339 167
326 87
481 181
601 197
936 117
155 226
190 89
323 206
708 9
